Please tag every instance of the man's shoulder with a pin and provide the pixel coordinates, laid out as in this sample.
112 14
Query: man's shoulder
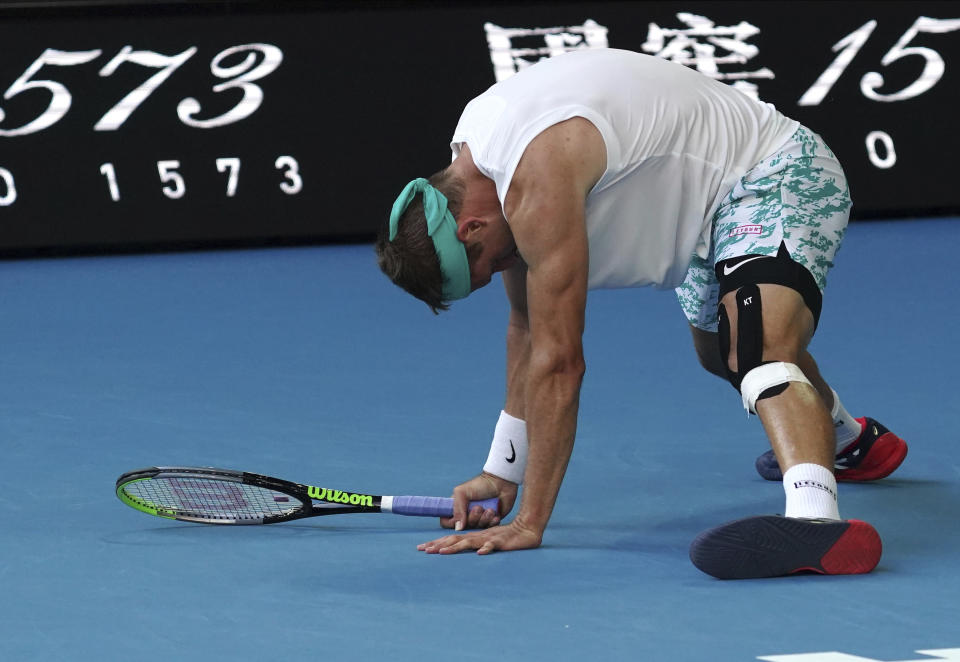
565 152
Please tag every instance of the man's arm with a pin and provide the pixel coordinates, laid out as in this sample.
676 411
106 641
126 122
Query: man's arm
518 339
486 485
546 211
548 225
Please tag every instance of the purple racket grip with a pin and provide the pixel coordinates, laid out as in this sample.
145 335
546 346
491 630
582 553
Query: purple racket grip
434 506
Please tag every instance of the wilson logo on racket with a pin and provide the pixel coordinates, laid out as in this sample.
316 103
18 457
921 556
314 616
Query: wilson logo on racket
336 496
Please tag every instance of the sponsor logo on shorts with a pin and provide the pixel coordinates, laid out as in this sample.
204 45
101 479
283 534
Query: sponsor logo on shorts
746 229
728 269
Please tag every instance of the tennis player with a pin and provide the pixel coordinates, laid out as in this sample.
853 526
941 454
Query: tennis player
609 169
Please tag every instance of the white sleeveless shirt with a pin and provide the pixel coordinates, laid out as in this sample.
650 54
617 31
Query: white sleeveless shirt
676 140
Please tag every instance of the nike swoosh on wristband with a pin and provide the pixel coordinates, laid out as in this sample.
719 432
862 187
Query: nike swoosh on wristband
513 457
727 269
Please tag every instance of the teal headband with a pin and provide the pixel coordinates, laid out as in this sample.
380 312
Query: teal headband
442 228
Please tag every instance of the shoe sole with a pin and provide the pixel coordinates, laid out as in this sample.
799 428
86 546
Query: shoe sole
775 546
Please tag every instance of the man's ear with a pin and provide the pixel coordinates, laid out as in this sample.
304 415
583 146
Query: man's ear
468 228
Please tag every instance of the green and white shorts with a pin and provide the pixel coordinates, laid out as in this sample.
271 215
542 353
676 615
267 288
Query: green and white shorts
797 197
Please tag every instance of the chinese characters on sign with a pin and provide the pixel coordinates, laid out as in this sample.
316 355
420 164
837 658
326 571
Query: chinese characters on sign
513 49
697 44
724 53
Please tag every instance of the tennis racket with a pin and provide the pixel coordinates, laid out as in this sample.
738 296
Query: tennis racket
222 496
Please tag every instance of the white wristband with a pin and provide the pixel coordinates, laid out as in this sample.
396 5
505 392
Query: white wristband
508 452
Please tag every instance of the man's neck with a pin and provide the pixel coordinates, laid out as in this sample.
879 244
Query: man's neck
480 192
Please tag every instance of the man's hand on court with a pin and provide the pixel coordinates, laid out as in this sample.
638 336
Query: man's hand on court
508 537
478 488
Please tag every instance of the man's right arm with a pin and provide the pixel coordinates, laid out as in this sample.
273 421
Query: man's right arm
487 485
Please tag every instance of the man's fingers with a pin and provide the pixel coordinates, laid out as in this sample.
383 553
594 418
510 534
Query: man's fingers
445 545
432 546
499 538
460 502
461 545
477 518
452 544
447 522
460 519
487 518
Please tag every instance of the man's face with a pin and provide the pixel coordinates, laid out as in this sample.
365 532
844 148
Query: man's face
498 252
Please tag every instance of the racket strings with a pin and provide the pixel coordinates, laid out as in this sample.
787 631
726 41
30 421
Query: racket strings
211 499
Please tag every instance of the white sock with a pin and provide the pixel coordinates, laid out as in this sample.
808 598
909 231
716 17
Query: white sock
811 492
846 428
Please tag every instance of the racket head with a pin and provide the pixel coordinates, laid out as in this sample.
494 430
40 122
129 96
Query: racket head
212 496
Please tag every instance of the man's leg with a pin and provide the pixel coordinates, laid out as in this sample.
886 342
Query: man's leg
707 346
810 536
812 371
797 420
774 238
865 449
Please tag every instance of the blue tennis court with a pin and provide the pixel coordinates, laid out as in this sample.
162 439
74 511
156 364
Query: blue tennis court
307 364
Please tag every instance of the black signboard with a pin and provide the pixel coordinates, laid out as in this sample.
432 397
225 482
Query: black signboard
145 125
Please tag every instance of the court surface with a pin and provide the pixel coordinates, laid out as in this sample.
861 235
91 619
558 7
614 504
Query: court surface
306 363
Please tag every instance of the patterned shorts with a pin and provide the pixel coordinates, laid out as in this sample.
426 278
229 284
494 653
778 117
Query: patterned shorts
798 196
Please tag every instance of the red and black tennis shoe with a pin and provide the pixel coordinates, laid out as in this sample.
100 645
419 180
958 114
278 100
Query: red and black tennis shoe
776 546
875 454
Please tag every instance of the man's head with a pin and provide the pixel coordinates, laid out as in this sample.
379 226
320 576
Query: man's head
435 252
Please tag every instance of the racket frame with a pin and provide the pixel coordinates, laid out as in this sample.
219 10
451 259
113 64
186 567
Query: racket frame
315 501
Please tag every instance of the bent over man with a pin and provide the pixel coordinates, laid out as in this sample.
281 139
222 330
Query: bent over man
606 168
